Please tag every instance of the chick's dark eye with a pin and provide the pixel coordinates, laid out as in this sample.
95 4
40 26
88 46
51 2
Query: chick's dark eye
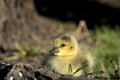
63 45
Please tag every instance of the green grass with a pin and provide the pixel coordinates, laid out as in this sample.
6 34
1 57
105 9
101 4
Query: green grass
106 49
24 51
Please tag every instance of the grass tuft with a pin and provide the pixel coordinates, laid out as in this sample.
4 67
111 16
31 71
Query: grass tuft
106 49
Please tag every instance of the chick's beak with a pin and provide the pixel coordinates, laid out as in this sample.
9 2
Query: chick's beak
54 51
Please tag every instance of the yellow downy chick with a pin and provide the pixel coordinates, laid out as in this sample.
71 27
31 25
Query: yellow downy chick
66 53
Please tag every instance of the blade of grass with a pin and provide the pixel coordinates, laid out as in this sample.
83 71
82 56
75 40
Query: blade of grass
70 69
80 68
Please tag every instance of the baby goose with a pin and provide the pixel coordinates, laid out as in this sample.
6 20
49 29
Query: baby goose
67 52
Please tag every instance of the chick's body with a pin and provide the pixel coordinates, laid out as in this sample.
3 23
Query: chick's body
67 52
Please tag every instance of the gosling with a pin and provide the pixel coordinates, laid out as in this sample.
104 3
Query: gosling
68 58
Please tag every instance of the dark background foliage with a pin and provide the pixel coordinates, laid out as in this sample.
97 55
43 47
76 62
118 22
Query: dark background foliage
91 11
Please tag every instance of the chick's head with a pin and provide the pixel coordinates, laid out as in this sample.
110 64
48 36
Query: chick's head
65 45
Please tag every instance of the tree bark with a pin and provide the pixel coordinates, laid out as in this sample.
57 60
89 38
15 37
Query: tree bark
20 22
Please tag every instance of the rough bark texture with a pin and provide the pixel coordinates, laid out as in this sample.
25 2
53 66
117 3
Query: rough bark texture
19 21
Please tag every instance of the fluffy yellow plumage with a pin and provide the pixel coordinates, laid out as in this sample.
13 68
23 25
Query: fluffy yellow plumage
67 52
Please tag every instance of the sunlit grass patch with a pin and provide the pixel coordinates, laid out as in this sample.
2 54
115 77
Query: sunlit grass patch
22 52
107 49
